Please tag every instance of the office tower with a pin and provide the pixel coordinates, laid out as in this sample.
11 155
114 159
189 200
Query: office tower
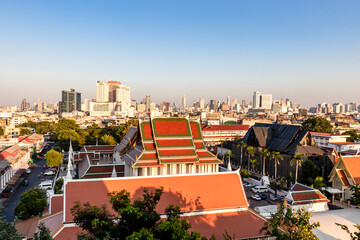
102 91
123 94
147 102
39 105
228 100
256 99
202 103
266 101
70 101
24 105
184 102
86 105
213 105
243 104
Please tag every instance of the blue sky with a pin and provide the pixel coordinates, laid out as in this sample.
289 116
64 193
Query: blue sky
308 51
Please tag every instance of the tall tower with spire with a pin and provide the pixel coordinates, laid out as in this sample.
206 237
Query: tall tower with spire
70 160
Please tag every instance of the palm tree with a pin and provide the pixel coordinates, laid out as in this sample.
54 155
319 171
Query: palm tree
241 145
297 160
265 154
254 163
277 158
250 153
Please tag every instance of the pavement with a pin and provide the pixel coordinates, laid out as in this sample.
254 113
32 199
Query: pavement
255 203
328 230
35 177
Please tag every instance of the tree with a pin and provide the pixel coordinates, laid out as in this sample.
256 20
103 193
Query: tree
297 160
137 220
286 224
32 202
43 233
1 131
245 174
276 156
8 230
24 131
241 145
353 236
250 153
57 148
107 140
309 172
353 136
53 158
355 198
265 154
318 183
254 164
317 124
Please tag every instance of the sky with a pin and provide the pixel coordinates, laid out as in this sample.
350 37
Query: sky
308 51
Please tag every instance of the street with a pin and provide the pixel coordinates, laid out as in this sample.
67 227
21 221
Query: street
35 177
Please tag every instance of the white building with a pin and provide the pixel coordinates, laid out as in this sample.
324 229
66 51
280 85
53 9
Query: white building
266 101
256 99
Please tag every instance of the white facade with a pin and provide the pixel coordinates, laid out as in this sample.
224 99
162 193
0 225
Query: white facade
256 99
102 91
266 101
202 103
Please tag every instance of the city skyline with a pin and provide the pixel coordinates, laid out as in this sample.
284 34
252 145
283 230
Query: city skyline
306 51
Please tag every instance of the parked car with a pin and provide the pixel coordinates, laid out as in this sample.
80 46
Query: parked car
256 197
28 171
276 198
259 189
262 196
249 185
6 192
25 182
49 173
53 169
47 184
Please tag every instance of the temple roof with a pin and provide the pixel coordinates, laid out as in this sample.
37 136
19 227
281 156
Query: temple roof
168 141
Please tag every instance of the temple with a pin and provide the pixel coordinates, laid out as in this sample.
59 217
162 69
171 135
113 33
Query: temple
165 146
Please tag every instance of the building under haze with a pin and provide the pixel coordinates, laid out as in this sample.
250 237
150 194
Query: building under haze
70 101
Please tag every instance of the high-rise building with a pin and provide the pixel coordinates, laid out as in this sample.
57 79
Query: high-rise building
147 102
184 102
70 101
102 91
202 103
266 101
40 105
213 105
256 99
228 101
24 105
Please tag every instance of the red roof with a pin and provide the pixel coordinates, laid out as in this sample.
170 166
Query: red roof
353 165
307 195
190 192
165 127
343 177
206 128
174 142
56 203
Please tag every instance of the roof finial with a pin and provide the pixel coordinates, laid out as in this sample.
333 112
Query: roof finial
69 165
113 174
229 165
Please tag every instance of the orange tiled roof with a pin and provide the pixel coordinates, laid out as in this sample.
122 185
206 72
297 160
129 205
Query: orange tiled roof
353 165
343 177
190 192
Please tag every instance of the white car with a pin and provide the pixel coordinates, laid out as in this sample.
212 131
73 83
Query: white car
28 171
49 173
256 197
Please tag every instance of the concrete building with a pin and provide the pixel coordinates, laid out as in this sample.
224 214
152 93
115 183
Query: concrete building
257 99
70 101
202 103
266 101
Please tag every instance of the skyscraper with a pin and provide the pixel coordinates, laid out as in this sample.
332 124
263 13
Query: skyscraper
266 101
228 100
256 99
24 105
70 101
39 105
102 91
184 102
147 102
202 103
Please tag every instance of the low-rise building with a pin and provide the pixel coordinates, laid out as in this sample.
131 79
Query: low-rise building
215 134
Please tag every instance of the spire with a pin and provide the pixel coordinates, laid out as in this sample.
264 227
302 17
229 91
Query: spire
69 165
113 174
229 165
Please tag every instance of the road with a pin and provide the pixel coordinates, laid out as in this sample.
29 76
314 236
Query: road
35 177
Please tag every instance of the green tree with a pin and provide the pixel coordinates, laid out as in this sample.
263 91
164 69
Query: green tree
276 156
7 229
107 140
57 148
286 224
245 174
355 198
241 145
137 220
250 153
353 136
32 202
43 233
297 159
24 131
58 185
317 124
53 158
353 236
318 183
265 154
309 171
254 164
